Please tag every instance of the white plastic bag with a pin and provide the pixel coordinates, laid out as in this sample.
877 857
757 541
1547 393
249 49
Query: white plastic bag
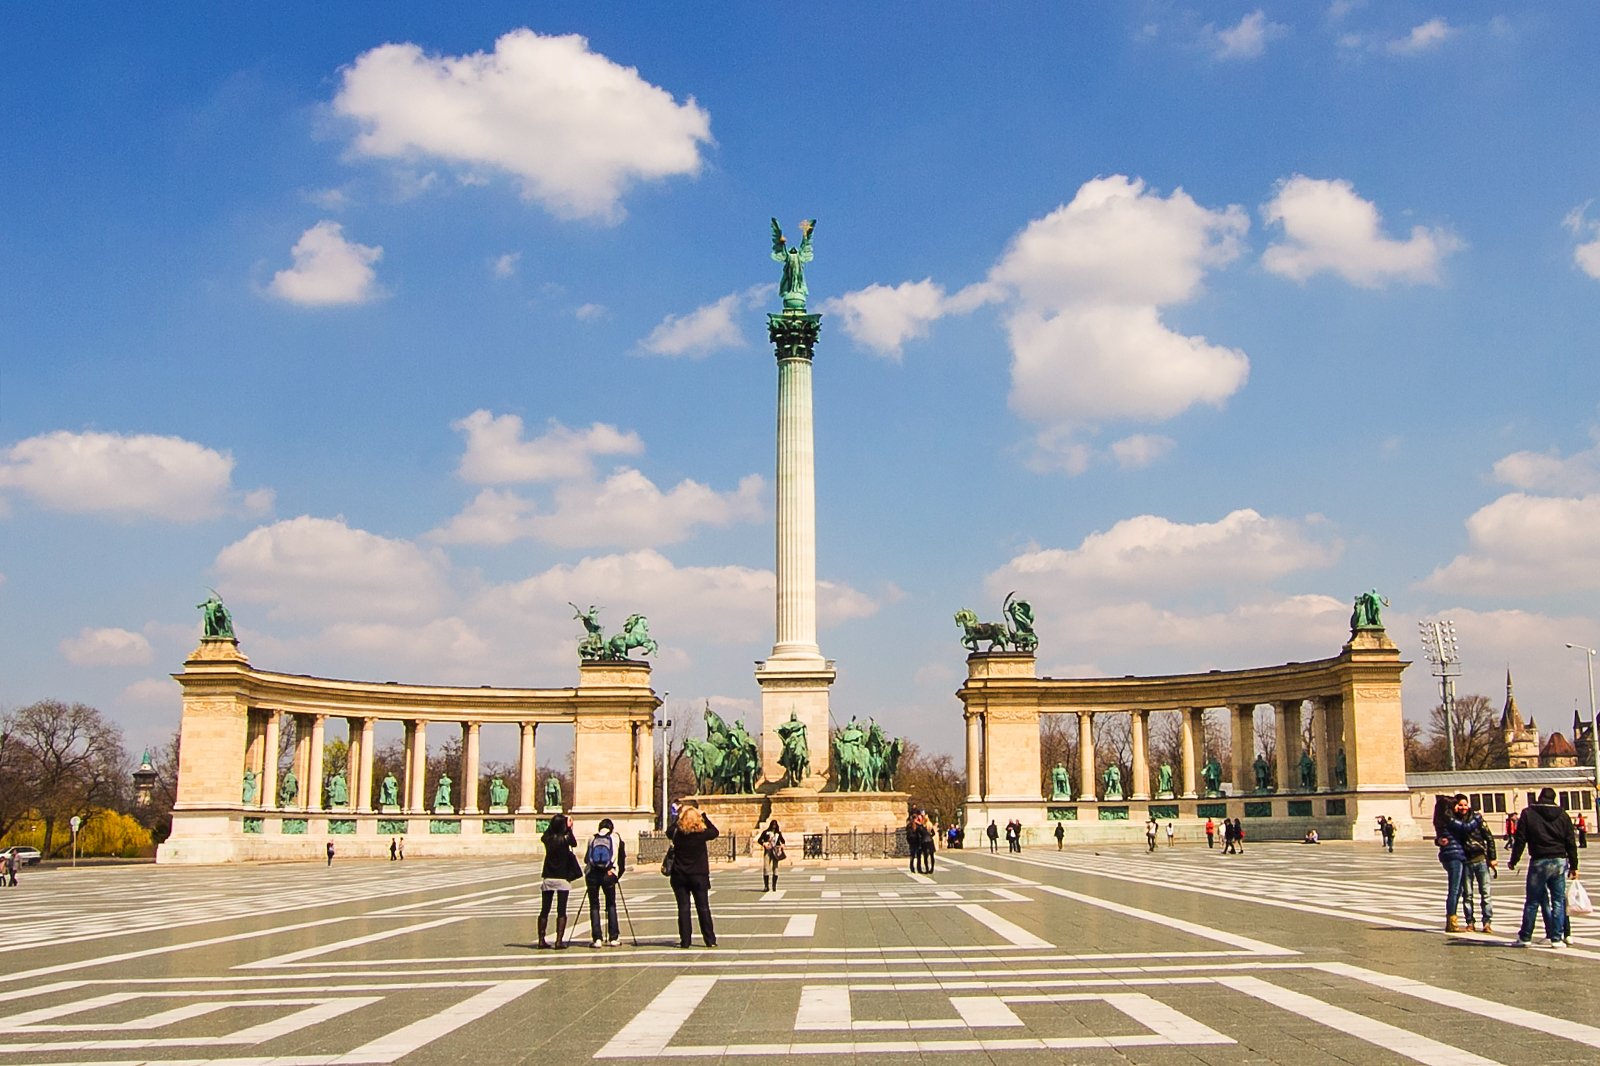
1578 901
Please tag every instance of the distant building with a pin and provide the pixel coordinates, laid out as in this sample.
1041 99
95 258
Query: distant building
1521 739
1558 751
1583 739
1505 791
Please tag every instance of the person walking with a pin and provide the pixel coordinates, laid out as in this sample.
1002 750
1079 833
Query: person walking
1211 833
1238 837
1545 832
1386 831
1061 835
1511 829
1169 834
1481 868
394 848
604 862
1583 831
691 872
1014 836
559 871
772 853
994 837
330 853
1150 833
402 849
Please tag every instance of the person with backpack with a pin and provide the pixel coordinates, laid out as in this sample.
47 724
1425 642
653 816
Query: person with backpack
604 863
772 853
559 871
1481 867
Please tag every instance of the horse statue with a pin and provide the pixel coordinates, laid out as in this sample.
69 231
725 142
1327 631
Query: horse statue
855 765
891 764
635 634
973 631
705 761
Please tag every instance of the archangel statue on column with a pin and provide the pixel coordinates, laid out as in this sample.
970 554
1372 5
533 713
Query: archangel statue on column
792 287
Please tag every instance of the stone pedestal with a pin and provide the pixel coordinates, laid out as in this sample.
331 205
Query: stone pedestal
798 687
800 811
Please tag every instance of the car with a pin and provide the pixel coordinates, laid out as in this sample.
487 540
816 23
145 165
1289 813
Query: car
25 856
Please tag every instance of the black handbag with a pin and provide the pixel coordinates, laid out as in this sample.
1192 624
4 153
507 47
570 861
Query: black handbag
666 861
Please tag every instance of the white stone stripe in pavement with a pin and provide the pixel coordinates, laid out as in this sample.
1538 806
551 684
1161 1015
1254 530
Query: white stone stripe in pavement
353 942
1499 1012
1222 936
652 1029
1380 1034
256 1034
801 925
409 1038
1007 929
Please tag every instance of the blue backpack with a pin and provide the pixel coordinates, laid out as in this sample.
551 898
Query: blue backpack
602 854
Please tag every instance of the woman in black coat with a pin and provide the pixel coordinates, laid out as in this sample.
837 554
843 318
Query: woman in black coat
561 868
691 872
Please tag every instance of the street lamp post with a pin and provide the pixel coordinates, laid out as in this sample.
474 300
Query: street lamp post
1439 645
1594 728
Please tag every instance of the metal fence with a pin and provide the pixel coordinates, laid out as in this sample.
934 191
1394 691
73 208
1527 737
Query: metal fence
730 847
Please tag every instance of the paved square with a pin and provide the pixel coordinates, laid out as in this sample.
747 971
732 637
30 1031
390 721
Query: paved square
1285 954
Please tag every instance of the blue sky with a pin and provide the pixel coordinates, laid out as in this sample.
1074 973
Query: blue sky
404 325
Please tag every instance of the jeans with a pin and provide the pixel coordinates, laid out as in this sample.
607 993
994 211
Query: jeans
1456 872
609 887
1547 892
1477 878
683 888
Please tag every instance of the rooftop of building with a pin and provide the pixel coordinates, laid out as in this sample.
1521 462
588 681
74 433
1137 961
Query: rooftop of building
1501 778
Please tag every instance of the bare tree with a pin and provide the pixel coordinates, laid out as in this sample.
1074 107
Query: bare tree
932 782
1165 743
1113 743
1058 746
72 763
1479 742
1419 756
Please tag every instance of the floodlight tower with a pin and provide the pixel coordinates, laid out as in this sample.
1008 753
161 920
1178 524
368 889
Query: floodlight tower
1439 645
1594 732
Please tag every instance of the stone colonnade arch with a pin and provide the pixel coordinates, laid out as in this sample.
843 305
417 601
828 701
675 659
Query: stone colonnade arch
233 715
1354 703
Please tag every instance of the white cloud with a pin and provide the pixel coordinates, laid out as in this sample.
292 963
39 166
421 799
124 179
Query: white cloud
142 476
1328 227
626 510
503 266
1245 40
1156 554
1586 254
1140 450
322 569
106 647
1423 38
1551 472
1521 545
1088 281
589 312
153 692
884 317
574 126
496 453
328 270
700 332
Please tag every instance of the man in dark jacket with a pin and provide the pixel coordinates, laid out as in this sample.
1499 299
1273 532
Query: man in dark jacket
1546 833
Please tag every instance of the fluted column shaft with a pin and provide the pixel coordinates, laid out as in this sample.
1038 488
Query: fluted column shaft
418 799
1141 759
974 758
269 765
369 750
528 770
319 732
469 768
1086 781
1188 750
797 513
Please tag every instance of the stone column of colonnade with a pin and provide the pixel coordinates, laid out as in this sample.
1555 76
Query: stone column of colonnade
1190 732
467 802
269 767
361 775
352 762
1329 733
418 778
1244 746
528 769
313 779
975 785
1086 777
1138 728
1286 722
644 762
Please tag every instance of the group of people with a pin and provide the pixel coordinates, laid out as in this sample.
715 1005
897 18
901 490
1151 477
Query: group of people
9 864
921 833
1543 832
1013 836
1151 828
1232 835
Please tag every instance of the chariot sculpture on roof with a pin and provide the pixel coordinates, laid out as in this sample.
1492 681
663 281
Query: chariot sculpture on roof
1016 632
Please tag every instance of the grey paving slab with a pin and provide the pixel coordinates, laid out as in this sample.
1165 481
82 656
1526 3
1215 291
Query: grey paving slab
1286 954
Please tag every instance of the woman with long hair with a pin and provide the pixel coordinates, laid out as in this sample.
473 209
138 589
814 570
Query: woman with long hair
691 873
561 868
772 853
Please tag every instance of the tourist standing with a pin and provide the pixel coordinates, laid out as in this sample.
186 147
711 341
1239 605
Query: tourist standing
772 853
691 872
556 876
330 853
1211 833
1061 835
1511 829
605 860
1545 832
1450 824
1481 866
1150 833
1169 834
1014 836
994 837
1583 831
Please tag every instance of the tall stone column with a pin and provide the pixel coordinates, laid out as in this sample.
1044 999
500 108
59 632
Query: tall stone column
469 768
527 770
269 766
302 758
1244 747
975 791
1189 726
1290 726
1086 781
644 763
352 761
319 733
1139 728
369 752
408 765
795 678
